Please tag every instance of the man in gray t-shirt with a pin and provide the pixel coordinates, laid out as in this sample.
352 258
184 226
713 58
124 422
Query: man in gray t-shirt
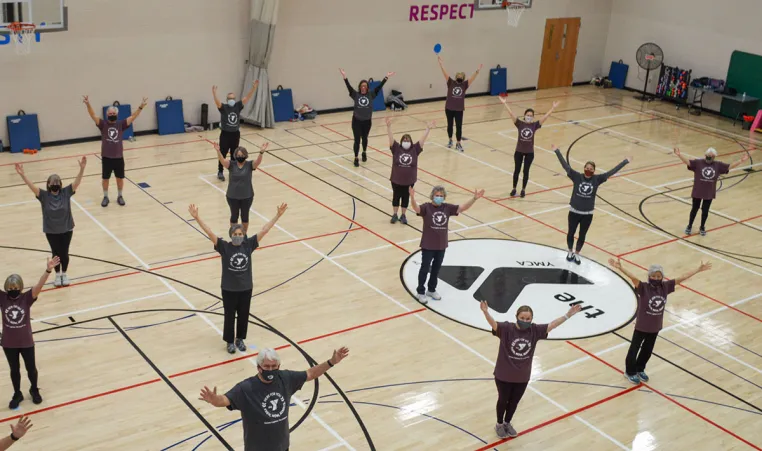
230 122
265 398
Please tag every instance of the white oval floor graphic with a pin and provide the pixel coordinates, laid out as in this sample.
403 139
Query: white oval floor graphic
509 274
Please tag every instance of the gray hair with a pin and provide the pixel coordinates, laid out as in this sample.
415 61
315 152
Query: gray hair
54 178
437 189
114 109
267 354
235 227
654 269
711 151
14 280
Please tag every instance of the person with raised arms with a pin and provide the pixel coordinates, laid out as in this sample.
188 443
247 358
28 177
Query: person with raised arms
230 122
404 168
456 102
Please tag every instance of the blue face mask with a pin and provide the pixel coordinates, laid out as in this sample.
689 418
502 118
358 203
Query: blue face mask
231 102
438 200
523 324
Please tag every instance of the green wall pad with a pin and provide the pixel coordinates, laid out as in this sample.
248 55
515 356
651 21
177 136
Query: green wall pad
745 75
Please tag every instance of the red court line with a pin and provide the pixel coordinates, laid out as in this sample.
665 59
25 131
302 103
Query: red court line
212 257
669 398
248 356
561 417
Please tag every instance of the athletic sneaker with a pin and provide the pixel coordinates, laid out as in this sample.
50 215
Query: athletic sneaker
634 379
16 400
577 260
240 345
220 176
423 299
570 256
688 230
403 220
500 431
231 348
434 295
510 431
449 144
364 157
523 194
513 192
357 163
65 280
702 231
643 376
104 202
458 147
36 398
120 201
57 282
394 219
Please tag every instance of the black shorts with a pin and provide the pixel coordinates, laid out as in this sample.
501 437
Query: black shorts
115 165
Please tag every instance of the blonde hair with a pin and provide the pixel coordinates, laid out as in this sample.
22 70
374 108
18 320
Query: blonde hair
460 75
524 308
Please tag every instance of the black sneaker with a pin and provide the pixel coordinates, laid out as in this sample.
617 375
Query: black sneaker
357 163
449 144
513 192
221 176
403 220
231 348
36 398
688 230
523 194
577 260
15 401
120 201
458 147
364 157
702 231
570 256
394 219
240 345
104 202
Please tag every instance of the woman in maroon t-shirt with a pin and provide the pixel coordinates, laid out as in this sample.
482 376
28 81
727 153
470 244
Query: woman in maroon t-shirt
436 219
404 168
514 359
17 331
652 299
706 172
456 101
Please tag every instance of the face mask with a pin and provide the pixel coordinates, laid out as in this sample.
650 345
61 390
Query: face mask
54 188
589 173
709 159
231 102
459 80
438 200
240 159
268 375
523 324
112 117
529 119
237 240
654 282
14 293
406 145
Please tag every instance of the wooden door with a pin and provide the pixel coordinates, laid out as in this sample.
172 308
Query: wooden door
559 50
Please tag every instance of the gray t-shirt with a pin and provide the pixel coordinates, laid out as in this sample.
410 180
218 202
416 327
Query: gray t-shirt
236 263
585 188
239 183
230 116
56 210
264 409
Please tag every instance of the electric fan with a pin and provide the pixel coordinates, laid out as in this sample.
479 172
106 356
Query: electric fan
649 56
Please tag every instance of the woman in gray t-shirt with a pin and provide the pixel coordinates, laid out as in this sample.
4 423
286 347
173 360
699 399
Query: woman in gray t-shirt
57 220
240 193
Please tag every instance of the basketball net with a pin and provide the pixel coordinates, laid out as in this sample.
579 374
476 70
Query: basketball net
22 35
515 10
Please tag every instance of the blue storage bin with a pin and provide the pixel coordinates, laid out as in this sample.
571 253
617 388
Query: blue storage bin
618 74
169 116
378 103
23 132
498 80
125 111
283 104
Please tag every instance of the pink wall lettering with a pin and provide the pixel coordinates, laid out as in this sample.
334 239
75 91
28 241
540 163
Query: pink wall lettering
452 11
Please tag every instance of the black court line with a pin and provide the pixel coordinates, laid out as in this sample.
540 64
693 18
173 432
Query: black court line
211 428
164 204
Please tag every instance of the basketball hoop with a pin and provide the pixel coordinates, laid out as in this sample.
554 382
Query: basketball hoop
22 35
515 10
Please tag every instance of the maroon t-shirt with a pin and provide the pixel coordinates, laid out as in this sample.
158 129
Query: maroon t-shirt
456 95
514 359
405 164
17 324
525 143
705 177
651 302
435 225
111 138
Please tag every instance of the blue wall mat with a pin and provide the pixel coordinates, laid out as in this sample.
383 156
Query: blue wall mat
24 132
283 104
379 103
169 116
498 80
125 111
618 74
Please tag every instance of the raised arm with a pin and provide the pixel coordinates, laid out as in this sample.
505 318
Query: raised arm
547 115
255 164
618 265
507 107
558 321
476 74
90 111
216 99
352 92
378 88
193 210
605 176
213 398
441 66
682 158
485 309
20 171
135 115
223 161
562 160
425 136
18 430
251 92
413 204
477 194
389 131
80 174
318 370
266 228
702 267
52 263
743 159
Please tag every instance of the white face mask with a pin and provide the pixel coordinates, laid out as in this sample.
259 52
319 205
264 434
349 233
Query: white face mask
231 102
529 119
406 145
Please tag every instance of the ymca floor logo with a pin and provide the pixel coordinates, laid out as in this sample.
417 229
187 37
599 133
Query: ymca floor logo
508 274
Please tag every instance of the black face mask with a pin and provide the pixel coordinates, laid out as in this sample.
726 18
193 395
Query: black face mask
709 159
112 118
54 188
459 80
240 159
14 293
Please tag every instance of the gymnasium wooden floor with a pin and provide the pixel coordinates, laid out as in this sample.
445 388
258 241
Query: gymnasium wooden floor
328 275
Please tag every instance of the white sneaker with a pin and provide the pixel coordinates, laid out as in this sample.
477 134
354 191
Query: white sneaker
65 280
57 281
423 299
434 295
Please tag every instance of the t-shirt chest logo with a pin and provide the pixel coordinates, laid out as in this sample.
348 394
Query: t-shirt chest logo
527 133
14 315
521 347
439 219
457 91
363 101
406 159
656 304
585 188
113 134
274 405
239 261
709 173
232 118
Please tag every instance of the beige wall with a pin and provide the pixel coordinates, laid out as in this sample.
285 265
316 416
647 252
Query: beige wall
123 50
368 38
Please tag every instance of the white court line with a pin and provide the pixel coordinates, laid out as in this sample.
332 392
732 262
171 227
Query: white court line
719 351
675 182
421 318
100 307
574 122
334 446
705 127
19 203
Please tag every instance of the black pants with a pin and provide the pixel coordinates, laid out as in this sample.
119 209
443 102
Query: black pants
12 354
527 159
508 396
229 141
456 116
583 221
59 246
400 195
361 130
704 204
641 347
429 260
239 206
235 303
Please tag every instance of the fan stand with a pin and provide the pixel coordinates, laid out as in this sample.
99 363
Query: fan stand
645 97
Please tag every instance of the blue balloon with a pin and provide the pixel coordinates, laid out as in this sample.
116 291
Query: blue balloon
437 48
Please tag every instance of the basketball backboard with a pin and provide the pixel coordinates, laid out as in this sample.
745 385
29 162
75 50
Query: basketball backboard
46 15
497 4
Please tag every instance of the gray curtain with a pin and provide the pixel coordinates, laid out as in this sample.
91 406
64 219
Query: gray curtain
264 15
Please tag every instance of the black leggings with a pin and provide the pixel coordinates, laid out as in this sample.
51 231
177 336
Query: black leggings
229 142
12 354
527 159
400 195
583 221
705 204
508 396
361 130
59 246
457 116
643 342
429 260
239 206
236 303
